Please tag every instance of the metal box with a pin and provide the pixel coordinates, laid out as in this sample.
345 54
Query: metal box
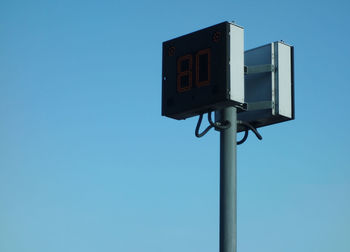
269 85
203 71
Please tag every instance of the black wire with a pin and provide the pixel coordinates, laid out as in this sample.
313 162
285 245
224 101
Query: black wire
248 125
223 126
219 125
244 137
199 125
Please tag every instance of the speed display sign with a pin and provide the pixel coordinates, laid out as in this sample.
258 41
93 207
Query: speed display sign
203 71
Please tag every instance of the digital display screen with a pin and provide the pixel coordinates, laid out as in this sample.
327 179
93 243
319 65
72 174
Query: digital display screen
195 72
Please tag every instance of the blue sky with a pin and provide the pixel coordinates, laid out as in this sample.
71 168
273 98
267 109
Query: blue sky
87 163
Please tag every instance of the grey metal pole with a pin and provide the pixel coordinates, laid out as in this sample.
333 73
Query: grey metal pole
228 185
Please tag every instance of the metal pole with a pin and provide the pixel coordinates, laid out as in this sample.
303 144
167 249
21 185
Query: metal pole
228 191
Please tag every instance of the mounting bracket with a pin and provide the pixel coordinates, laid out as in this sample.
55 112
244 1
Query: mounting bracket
266 68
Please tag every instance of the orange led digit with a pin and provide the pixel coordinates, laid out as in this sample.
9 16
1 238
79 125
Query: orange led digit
205 67
184 73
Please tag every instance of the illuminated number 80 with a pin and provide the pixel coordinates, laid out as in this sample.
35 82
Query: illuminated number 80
186 74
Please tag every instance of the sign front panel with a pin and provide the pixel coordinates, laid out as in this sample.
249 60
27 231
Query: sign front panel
195 72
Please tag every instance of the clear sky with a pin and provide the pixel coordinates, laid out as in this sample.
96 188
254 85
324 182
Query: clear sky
87 163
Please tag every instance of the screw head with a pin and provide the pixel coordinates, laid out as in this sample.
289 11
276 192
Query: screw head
217 36
171 51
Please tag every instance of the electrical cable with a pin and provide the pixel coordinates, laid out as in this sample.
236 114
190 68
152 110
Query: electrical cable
251 127
225 125
219 125
199 125
244 137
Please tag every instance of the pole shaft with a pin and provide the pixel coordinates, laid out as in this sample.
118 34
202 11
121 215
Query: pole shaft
228 187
